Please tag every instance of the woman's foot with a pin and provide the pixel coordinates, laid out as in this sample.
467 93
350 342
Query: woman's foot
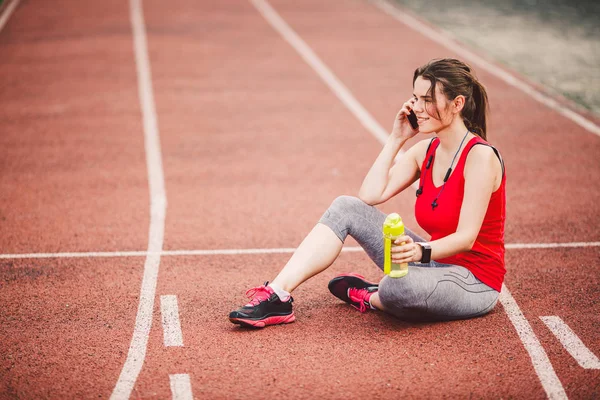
265 308
354 289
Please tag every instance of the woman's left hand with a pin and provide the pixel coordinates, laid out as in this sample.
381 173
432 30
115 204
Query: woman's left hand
405 250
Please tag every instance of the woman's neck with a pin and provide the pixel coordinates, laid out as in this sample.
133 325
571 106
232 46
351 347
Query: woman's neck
452 135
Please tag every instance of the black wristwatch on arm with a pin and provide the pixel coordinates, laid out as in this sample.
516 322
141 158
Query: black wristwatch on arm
425 251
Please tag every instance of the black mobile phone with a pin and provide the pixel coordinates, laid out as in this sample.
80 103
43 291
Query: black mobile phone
412 118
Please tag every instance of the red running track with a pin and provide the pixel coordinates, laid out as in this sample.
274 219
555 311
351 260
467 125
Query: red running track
254 148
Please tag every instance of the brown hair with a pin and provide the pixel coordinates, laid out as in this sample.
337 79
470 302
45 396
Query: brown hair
455 79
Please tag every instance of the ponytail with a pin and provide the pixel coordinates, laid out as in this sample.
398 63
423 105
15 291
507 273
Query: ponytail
477 121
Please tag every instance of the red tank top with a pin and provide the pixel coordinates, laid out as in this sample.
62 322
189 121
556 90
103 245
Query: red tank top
486 259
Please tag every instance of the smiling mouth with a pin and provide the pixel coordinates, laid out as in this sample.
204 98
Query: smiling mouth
419 119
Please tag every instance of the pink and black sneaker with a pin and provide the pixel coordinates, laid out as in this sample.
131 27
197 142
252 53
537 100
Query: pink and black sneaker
265 308
354 290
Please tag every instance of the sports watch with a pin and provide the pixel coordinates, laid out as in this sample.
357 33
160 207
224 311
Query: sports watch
426 252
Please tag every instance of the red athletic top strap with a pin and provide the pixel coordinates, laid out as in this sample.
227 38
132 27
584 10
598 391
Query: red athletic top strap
486 259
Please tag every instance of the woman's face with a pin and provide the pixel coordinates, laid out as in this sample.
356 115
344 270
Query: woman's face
431 117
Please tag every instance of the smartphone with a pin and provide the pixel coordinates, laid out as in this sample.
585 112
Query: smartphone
412 118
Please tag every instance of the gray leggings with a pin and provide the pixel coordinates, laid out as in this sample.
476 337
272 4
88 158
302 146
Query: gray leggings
430 292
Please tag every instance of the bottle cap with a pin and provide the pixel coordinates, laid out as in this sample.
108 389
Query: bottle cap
393 225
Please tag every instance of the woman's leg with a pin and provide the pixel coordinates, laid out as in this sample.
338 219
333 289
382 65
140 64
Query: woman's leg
318 250
435 294
347 215
428 292
272 304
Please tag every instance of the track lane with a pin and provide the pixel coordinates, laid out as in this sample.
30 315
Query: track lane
201 182
219 100
73 179
73 172
566 283
327 347
65 325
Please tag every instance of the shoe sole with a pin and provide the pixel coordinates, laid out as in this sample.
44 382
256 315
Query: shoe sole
339 285
261 323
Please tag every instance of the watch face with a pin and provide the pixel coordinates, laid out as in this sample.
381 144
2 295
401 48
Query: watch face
426 252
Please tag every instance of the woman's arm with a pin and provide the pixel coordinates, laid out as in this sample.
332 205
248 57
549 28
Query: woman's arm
384 180
483 174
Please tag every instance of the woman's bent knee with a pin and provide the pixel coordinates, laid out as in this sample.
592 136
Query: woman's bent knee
338 216
346 203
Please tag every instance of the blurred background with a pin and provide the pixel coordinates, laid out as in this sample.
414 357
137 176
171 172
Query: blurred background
555 43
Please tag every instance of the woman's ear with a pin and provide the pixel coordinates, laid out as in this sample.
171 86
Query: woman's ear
458 103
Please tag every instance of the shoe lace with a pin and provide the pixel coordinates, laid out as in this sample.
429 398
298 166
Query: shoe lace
258 295
358 296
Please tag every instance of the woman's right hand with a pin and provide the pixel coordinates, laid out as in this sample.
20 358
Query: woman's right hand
402 128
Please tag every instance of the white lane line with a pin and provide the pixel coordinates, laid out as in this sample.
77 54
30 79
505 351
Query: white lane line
109 254
446 40
8 12
337 87
539 358
170 321
550 245
181 387
308 55
571 342
158 204
164 253
92 254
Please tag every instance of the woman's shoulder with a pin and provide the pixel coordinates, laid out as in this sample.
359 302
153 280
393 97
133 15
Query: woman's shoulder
484 152
481 153
484 158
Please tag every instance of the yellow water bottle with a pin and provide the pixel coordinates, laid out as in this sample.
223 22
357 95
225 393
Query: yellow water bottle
393 228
